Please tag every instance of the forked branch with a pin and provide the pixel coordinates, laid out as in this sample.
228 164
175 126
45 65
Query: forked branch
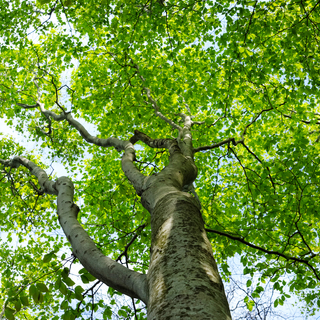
169 144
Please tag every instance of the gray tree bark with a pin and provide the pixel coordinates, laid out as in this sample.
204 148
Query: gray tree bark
183 278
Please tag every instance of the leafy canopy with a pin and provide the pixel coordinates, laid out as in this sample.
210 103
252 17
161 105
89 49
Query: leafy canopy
247 70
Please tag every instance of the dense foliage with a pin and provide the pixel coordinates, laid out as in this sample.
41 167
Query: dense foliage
247 71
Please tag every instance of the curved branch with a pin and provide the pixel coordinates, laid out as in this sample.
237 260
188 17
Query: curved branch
130 170
109 142
47 186
108 271
152 143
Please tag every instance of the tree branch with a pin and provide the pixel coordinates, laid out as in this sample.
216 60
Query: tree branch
234 142
217 145
108 271
257 158
304 121
155 104
169 144
254 120
152 143
185 136
125 251
279 254
130 170
119 145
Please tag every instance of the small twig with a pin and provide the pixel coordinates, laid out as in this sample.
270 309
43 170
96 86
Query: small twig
155 104
125 251
252 14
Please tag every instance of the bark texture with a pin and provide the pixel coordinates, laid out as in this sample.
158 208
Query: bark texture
183 277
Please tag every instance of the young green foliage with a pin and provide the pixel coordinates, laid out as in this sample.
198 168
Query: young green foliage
248 74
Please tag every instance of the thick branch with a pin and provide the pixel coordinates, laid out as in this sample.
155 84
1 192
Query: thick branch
152 143
130 170
169 144
102 267
46 185
185 136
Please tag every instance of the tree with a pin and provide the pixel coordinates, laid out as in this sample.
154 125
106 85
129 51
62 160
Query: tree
209 111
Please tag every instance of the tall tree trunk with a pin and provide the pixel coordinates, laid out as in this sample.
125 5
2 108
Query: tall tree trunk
183 278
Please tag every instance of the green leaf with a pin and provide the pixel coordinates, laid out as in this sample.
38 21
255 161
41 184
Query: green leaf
63 289
32 290
84 278
67 3
122 313
57 283
107 313
24 300
64 305
90 277
17 305
78 292
42 287
69 282
248 52
47 258
250 305
9 313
